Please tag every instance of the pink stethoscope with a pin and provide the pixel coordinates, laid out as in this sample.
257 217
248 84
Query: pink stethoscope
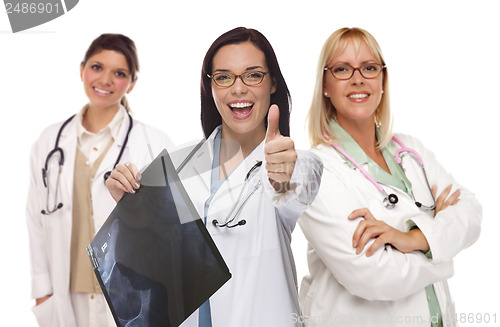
390 200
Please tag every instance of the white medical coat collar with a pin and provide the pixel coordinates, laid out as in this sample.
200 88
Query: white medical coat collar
239 173
354 178
71 131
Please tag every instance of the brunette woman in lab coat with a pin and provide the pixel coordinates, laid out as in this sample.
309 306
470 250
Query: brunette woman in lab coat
69 202
245 107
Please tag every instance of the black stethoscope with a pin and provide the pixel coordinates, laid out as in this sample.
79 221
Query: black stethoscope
242 221
59 150
228 220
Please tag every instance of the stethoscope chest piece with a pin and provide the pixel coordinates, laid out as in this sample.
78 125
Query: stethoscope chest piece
391 200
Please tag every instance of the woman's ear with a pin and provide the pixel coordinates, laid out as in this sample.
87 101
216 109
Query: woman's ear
325 92
273 87
81 71
131 87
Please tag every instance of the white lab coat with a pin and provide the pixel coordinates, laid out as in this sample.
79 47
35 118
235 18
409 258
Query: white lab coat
50 235
262 290
386 289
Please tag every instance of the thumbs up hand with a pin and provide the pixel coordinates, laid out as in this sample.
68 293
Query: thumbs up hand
280 153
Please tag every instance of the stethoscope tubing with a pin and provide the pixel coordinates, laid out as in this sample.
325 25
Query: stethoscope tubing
358 166
390 200
59 150
233 217
240 204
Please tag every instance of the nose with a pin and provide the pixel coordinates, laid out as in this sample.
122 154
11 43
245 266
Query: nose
107 78
238 87
357 78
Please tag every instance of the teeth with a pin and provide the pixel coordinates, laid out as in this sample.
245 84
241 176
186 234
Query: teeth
358 96
101 91
240 104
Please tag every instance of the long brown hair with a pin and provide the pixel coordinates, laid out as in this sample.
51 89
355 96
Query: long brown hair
210 117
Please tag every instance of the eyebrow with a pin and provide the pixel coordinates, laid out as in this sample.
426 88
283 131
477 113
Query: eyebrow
247 69
362 63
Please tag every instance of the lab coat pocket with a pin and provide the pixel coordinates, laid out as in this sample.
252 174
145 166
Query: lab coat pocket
46 313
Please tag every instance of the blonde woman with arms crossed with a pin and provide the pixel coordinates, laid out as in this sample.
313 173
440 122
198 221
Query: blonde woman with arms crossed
380 247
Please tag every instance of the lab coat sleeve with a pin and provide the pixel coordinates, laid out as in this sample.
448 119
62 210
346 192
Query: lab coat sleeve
454 228
40 272
155 140
161 140
388 274
304 186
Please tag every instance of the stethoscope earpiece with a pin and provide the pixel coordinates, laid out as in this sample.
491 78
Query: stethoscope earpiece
59 206
242 222
239 223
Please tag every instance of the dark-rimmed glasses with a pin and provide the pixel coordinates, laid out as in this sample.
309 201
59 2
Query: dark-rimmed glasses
345 71
227 79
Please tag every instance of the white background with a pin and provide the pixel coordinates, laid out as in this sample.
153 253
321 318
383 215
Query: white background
443 58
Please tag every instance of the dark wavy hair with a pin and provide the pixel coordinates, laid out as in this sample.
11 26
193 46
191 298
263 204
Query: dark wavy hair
210 117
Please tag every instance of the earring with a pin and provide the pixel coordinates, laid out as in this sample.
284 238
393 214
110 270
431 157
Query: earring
326 94
382 92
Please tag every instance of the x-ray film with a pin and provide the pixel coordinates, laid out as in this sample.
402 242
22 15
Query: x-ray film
153 257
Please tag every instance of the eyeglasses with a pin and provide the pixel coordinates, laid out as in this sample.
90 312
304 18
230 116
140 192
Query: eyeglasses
226 79
345 71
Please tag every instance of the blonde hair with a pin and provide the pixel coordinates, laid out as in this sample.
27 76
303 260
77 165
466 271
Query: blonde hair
322 110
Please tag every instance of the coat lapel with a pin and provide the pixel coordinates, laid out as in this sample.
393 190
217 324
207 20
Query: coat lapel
230 191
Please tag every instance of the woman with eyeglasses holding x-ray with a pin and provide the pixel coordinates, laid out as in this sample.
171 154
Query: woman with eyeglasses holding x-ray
68 200
381 246
256 185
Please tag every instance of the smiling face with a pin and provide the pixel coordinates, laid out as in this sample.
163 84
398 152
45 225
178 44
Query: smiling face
357 98
106 79
243 108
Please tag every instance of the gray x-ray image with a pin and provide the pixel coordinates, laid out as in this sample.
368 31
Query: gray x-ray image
153 257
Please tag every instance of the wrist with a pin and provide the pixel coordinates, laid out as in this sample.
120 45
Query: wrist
418 240
280 187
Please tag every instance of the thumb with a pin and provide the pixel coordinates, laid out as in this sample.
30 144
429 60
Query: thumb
273 123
